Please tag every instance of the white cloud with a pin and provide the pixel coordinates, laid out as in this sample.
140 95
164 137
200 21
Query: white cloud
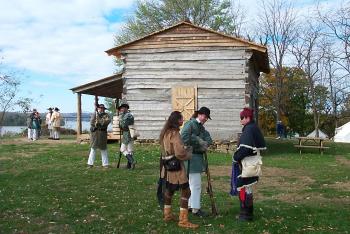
61 38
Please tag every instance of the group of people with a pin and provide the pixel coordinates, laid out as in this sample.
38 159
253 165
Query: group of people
98 139
183 161
189 148
52 121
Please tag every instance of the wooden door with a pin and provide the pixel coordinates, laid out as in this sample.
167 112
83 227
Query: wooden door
184 99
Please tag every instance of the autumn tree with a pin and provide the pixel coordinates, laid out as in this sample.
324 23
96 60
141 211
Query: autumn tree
293 105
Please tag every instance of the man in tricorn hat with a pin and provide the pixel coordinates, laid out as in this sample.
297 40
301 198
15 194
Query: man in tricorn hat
127 147
194 134
49 123
56 123
98 139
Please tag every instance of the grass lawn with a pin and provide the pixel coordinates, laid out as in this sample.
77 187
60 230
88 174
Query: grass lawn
45 187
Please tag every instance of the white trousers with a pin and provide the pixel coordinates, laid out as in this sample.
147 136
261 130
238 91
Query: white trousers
32 134
127 149
92 156
195 181
56 133
51 132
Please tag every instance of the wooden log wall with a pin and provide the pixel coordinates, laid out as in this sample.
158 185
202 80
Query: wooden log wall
186 57
220 82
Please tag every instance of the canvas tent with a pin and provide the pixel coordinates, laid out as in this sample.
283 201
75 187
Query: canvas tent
320 134
342 134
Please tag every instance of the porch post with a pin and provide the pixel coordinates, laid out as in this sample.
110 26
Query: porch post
79 129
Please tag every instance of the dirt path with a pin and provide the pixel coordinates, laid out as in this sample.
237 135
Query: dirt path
281 184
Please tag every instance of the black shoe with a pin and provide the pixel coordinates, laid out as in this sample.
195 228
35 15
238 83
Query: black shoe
244 218
200 213
133 165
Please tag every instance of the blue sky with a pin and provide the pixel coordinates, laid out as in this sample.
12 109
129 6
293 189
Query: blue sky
59 44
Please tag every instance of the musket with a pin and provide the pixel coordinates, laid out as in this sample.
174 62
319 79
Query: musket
214 209
120 135
96 105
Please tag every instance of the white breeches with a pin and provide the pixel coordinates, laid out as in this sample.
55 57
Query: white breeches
195 181
127 149
32 134
92 156
50 131
56 133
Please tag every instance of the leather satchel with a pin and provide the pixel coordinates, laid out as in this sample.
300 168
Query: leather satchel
171 163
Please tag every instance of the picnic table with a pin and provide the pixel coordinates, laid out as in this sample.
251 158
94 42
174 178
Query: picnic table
311 143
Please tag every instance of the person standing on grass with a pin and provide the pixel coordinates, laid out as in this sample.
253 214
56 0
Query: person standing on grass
49 123
56 123
98 138
172 146
194 134
33 123
127 147
246 164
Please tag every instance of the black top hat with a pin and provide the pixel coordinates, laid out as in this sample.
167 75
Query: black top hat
123 105
204 110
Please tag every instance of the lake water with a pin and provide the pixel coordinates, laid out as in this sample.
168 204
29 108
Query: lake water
69 124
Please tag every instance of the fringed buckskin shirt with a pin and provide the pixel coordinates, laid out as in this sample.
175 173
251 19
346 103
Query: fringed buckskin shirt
173 145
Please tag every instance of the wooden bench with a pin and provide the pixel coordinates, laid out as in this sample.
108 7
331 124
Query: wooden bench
317 143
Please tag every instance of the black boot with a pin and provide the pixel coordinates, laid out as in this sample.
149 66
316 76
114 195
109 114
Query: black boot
249 206
246 209
131 161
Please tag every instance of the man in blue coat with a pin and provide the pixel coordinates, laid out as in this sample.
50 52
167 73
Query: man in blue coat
246 167
194 135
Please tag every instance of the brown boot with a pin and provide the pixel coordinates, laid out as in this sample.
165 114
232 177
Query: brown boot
168 216
183 220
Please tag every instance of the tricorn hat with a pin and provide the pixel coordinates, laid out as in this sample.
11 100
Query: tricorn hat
204 110
50 109
101 106
123 105
56 109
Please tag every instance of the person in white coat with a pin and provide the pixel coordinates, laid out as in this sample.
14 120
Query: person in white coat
49 123
56 123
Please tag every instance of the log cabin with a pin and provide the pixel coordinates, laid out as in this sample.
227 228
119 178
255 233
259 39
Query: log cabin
184 67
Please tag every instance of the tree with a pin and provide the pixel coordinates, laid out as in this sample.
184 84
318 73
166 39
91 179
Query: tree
309 51
153 15
338 22
277 27
333 77
293 105
9 89
110 105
